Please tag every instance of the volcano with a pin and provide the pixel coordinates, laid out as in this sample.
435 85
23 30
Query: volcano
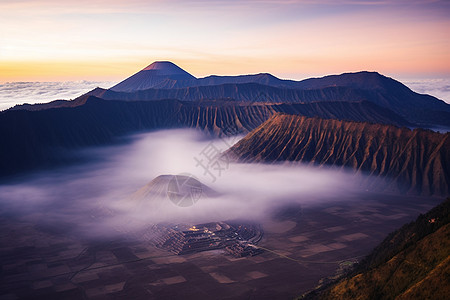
182 190
155 75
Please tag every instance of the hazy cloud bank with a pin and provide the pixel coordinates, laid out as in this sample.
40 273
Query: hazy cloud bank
12 93
94 198
439 88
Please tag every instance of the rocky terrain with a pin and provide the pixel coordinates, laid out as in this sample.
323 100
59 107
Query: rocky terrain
413 160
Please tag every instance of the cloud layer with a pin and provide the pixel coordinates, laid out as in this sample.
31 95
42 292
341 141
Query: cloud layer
439 88
12 93
94 199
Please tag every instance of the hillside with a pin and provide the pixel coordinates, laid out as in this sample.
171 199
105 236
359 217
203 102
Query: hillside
36 138
390 94
413 160
411 263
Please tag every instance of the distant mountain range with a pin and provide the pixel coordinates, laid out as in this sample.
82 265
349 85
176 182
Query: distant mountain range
165 80
415 161
163 95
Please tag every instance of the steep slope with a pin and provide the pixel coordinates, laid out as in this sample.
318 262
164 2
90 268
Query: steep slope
415 160
411 263
32 138
157 73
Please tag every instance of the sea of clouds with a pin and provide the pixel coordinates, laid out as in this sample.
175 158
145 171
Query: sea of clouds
94 199
13 93
439 88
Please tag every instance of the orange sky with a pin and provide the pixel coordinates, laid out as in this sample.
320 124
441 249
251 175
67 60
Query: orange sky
109 40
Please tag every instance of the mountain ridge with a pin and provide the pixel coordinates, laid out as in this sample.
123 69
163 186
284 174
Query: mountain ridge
416 161
30 138
171 82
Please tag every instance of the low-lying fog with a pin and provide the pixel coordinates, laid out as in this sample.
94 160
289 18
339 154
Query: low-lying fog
98 199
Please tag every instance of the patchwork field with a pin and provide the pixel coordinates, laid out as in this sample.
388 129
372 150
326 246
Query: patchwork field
38 263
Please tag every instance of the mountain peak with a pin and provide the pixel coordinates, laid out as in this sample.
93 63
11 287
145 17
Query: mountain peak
165 67
155 74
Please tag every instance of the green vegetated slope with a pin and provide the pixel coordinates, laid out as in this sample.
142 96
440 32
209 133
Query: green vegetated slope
411 263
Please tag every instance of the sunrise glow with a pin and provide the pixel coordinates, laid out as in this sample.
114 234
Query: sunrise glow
109 40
